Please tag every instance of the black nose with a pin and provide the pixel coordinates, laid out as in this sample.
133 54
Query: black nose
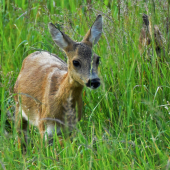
93 83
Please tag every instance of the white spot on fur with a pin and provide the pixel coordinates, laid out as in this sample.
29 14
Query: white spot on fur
24 115
51 129
33 120
63 72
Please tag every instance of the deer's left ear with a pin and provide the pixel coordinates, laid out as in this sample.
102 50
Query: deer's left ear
93 35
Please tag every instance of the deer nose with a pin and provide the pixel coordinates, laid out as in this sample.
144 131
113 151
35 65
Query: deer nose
93 83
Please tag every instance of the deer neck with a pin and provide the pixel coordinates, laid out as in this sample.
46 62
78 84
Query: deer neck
69 88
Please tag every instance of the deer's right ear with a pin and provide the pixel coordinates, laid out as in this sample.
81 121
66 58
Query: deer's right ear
62 40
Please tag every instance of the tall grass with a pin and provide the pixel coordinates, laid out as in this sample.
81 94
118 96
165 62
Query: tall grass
126 122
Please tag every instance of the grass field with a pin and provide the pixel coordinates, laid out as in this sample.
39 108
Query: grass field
126 122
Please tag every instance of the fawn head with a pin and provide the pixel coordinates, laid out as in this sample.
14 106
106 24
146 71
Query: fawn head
147 35
82 61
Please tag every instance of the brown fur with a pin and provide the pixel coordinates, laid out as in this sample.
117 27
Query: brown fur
146 38
49 90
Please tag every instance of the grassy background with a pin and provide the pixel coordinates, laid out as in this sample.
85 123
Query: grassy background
126 122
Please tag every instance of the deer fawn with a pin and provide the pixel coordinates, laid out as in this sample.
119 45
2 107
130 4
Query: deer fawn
146 38
48 89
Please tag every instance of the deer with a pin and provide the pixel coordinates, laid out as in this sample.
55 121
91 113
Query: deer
49 90
150 40
146 38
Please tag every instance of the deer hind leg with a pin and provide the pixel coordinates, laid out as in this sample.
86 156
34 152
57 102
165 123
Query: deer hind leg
21 127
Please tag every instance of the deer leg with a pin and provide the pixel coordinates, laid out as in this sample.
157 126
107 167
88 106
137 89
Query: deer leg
21 126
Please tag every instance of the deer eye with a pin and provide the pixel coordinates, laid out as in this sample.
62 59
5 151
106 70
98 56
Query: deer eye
97 61
76 63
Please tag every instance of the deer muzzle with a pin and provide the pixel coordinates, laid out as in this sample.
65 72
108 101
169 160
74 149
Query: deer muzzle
93 83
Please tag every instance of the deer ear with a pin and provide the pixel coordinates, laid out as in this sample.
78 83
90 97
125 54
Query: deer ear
93 35
62 40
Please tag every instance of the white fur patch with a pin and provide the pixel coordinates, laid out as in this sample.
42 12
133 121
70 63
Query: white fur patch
51 129
24 115
62 72
46 58
34 121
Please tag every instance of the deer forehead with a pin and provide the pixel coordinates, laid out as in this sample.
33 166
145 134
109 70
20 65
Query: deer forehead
83 50
80 51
